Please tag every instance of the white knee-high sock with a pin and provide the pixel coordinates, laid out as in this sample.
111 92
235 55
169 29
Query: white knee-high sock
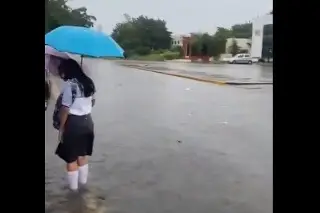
83 174
73 180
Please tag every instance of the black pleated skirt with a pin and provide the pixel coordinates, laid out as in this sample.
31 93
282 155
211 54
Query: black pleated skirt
77 139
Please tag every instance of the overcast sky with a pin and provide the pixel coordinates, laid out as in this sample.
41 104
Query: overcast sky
182 16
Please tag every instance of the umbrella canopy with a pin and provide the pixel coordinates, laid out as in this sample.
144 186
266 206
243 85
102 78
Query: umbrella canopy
83 41
49 52
53 58
53 52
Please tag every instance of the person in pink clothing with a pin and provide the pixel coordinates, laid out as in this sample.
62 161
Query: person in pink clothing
47 90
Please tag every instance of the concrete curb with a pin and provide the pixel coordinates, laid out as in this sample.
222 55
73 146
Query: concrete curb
179 75
249 83
200 79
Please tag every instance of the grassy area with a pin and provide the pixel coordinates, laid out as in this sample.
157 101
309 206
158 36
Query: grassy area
157 56
151 57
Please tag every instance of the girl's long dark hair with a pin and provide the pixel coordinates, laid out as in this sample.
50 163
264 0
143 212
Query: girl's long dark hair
71 69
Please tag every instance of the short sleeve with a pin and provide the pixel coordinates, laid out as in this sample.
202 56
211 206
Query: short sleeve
67 95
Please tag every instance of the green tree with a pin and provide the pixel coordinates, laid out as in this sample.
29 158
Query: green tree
242 30
142 35
220 40
205 44
196 43
234 48
216 44
58 13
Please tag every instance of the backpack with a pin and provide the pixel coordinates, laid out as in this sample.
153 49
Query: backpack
56 112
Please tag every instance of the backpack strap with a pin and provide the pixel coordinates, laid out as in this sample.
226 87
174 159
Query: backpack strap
56 112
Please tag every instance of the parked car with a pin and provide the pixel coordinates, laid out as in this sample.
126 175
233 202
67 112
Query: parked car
241 59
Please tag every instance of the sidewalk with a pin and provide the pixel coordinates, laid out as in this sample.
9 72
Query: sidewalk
218 74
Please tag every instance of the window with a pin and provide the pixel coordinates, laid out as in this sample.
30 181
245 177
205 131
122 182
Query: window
247 56
240 56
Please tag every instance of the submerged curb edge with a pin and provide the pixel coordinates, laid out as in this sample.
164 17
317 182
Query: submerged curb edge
200 79
181 76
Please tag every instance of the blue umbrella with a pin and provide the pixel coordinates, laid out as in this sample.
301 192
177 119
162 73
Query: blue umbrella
83 41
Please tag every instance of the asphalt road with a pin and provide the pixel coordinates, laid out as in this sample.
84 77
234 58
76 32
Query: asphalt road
167 144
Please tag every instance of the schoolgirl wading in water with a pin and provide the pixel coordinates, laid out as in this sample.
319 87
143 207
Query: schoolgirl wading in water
76 128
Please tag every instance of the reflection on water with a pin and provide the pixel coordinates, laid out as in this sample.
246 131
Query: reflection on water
237 72
85 201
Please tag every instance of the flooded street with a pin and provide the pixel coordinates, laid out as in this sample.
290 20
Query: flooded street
251 74
170 145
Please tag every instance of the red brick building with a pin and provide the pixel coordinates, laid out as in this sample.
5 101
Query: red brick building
185 43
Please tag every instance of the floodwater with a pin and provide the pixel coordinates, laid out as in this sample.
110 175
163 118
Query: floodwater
168 144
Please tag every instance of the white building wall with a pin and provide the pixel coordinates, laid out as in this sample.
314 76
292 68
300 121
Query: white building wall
177 40
257 34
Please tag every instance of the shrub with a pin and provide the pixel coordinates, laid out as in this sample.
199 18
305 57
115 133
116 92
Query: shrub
171 55
143 51
151 57
160 51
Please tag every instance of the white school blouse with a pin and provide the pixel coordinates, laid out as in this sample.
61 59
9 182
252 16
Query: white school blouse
81 104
